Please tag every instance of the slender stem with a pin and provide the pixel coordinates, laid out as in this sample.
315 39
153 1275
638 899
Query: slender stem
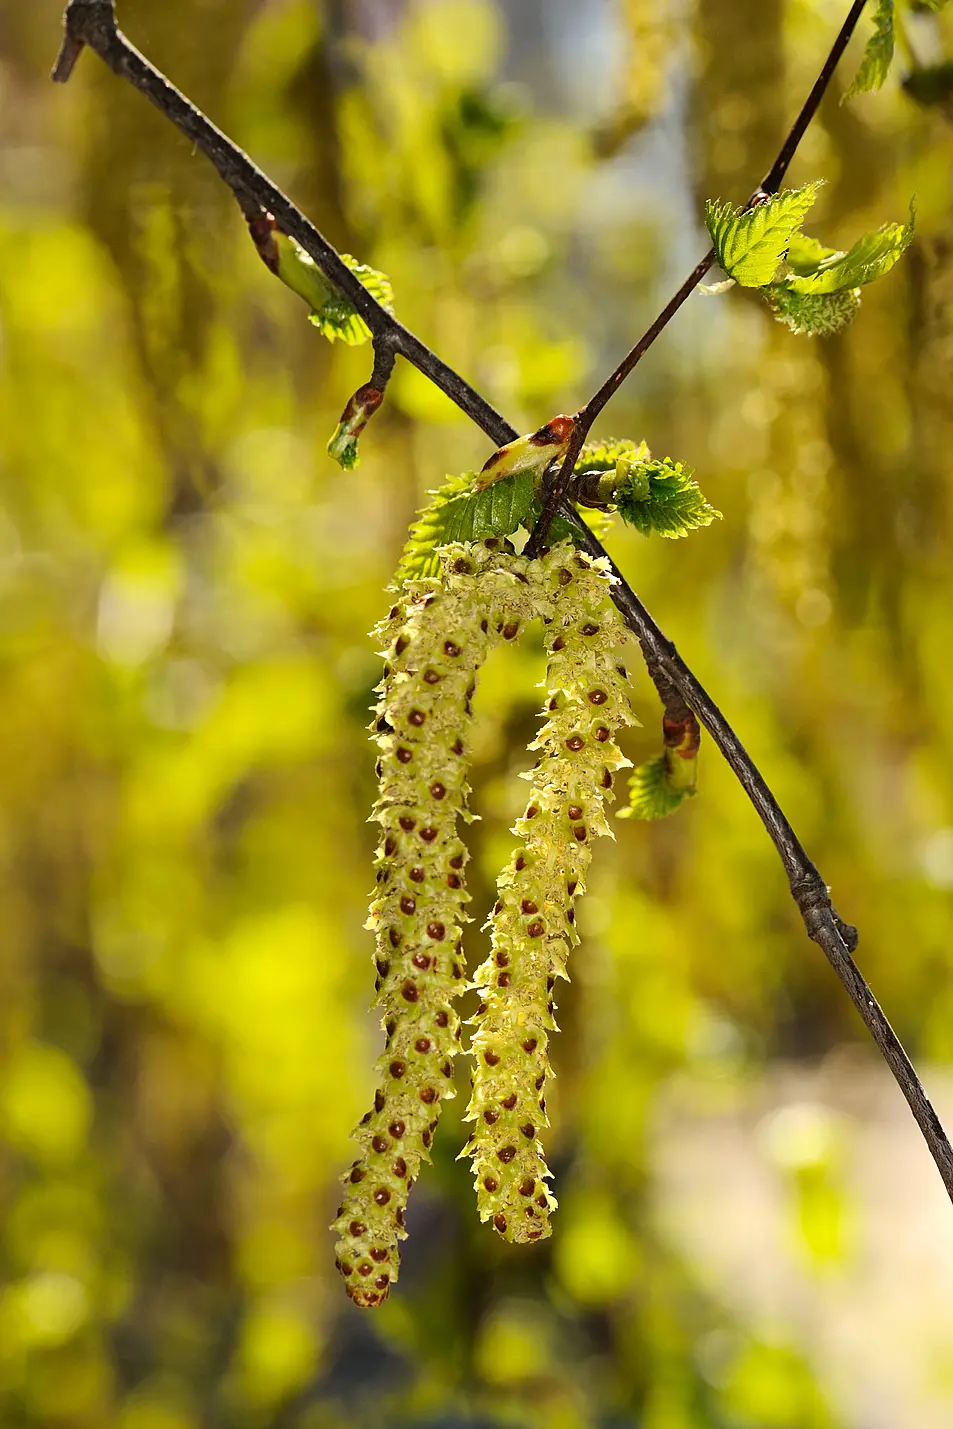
632 358
774 178
836 938
93 23
562 481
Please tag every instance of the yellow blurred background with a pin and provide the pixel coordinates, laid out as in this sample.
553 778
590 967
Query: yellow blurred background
751 1234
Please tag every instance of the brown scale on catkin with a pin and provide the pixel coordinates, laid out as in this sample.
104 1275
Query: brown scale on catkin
533 920
437 636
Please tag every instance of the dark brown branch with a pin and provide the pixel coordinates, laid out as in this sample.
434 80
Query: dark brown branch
836 938
561 482
93 23
774 178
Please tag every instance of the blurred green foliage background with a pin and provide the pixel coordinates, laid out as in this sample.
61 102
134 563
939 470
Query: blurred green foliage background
750 1234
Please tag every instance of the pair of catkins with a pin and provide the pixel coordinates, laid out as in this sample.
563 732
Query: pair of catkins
436 637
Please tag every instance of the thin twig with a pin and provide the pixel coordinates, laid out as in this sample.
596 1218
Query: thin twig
93 23
362 406
561 481
774 178
836 938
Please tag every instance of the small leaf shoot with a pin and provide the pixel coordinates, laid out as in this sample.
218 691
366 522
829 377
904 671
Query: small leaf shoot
343 445
534 453
331 312
879 52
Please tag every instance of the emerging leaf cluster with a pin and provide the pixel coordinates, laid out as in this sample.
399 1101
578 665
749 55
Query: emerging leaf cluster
814 314
656 497
603 456
336 318
810 287
662 498
331 312
750 243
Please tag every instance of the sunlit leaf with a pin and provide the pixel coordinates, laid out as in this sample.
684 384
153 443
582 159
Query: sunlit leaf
458 513
750 243
652 792
805 255
663 498
879 52
870 258
331 312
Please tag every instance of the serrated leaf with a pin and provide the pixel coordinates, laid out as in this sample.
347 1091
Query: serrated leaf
805 255
458 513
674 504
879 52
602 456
870 258
331 312
336 318
652 794
814 314
750 243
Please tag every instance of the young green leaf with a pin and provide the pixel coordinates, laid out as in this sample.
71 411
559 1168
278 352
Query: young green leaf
806 255
878 54
750 243
870 258
602 456
458 513
670 505
652 792
659 786
813 314
331 312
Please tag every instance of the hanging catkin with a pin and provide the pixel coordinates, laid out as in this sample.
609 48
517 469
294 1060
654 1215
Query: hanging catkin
533 919
437 636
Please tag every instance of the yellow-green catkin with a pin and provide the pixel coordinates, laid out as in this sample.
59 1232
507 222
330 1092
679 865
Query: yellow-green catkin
436 636
533 920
